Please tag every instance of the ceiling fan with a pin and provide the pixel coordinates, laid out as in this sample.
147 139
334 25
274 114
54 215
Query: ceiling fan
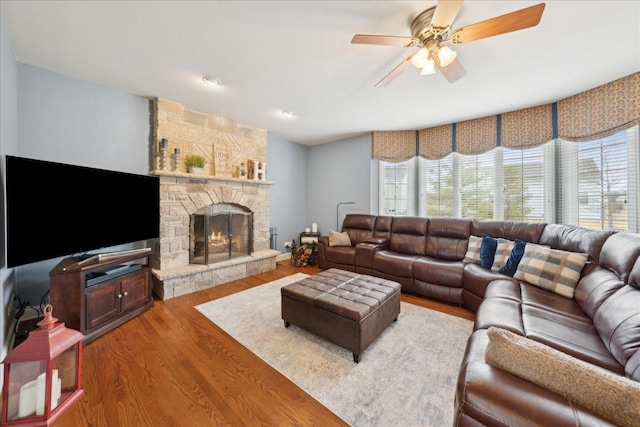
431 32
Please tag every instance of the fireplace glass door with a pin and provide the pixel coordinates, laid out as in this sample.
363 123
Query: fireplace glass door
220 236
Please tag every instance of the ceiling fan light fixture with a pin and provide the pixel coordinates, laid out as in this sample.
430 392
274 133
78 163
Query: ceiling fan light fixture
429 67
420 58
446 55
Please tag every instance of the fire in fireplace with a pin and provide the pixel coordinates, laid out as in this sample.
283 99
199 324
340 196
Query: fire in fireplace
220 232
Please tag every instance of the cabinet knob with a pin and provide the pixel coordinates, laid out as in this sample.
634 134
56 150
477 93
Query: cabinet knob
119 295
126 293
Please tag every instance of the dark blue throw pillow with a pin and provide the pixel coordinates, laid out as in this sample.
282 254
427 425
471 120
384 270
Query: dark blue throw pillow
514 259
488 251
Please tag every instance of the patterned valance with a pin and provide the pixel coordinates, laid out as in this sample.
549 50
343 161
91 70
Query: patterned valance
394 146
436 143
527 128
476 136
600 112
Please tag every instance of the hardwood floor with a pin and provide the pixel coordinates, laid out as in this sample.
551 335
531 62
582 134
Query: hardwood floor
171 366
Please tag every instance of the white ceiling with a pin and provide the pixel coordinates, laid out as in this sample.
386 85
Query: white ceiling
297 55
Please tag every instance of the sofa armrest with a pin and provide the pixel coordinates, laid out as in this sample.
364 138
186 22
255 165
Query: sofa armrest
366 250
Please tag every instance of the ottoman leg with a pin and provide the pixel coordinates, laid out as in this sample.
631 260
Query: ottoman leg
356 358
287 324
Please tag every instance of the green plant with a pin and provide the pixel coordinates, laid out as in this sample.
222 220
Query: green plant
195 161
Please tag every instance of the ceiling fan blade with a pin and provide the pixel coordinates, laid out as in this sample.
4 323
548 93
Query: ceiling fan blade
453 72
445 13
514 21
381 40
394 73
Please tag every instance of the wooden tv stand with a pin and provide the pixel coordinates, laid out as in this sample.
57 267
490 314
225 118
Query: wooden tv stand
97 294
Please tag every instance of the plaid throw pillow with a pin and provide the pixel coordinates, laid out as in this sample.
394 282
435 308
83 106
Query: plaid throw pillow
502 254
473 250
551 269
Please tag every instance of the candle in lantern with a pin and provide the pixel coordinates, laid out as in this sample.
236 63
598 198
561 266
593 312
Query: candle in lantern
314 227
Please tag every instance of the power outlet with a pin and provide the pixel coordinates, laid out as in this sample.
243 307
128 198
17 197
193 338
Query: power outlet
288 245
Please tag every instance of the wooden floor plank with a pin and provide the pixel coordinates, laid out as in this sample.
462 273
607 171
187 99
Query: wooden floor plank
171 366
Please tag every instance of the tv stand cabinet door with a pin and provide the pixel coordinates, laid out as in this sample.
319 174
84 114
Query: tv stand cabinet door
135 290
103 303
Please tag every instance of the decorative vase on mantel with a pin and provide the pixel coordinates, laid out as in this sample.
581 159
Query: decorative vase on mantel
196 170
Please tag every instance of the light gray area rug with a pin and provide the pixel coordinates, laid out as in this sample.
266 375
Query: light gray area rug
407 377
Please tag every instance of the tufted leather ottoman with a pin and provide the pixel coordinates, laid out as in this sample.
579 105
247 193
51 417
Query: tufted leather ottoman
349 309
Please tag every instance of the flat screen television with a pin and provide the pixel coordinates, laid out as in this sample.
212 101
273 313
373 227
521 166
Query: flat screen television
55 209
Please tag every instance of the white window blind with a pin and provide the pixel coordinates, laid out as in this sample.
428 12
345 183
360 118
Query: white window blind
523 192
437 187
398 188
599 186
477 185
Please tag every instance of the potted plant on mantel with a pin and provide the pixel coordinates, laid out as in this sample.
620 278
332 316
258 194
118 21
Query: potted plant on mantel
195 163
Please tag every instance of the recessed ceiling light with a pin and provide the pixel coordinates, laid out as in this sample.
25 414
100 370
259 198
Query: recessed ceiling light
288 113
212 81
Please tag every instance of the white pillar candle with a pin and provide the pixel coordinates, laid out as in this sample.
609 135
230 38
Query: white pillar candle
314 227
27 402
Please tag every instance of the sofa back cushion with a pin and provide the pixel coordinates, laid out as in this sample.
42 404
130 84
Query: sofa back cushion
359 227
617 321
408 235
594 289
510 230
620 253
447 238
575 239
383 227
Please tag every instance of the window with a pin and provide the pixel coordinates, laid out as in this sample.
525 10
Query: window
437 177
398 185
524 184
593 184
599 184
477 185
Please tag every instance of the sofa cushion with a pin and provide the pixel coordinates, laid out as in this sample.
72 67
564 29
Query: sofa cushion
447 238
439 272
503 251
511 230
473 250
339 239
341 254
609 395
359 227
594 288
575 239
394 264
514 259
408 235
620 252
487 250
618 323
551 269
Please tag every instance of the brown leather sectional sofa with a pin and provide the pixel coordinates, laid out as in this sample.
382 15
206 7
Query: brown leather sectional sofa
600 325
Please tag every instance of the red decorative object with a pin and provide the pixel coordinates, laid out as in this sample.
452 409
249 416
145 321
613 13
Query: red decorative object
42 375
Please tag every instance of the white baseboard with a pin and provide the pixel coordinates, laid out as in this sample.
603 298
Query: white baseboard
283 257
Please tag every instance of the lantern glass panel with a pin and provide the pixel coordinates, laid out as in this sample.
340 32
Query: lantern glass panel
24 378
67 368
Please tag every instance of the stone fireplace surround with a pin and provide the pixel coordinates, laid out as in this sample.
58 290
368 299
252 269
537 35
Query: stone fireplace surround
182 194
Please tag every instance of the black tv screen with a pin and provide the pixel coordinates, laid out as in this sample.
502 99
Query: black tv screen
56 209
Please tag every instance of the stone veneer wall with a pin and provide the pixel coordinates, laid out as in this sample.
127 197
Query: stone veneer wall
223 142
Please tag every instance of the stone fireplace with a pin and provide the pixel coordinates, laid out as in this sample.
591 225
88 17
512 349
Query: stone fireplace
188 257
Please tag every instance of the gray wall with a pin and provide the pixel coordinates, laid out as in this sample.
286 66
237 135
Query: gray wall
66 120
287 164
8 145
341 171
